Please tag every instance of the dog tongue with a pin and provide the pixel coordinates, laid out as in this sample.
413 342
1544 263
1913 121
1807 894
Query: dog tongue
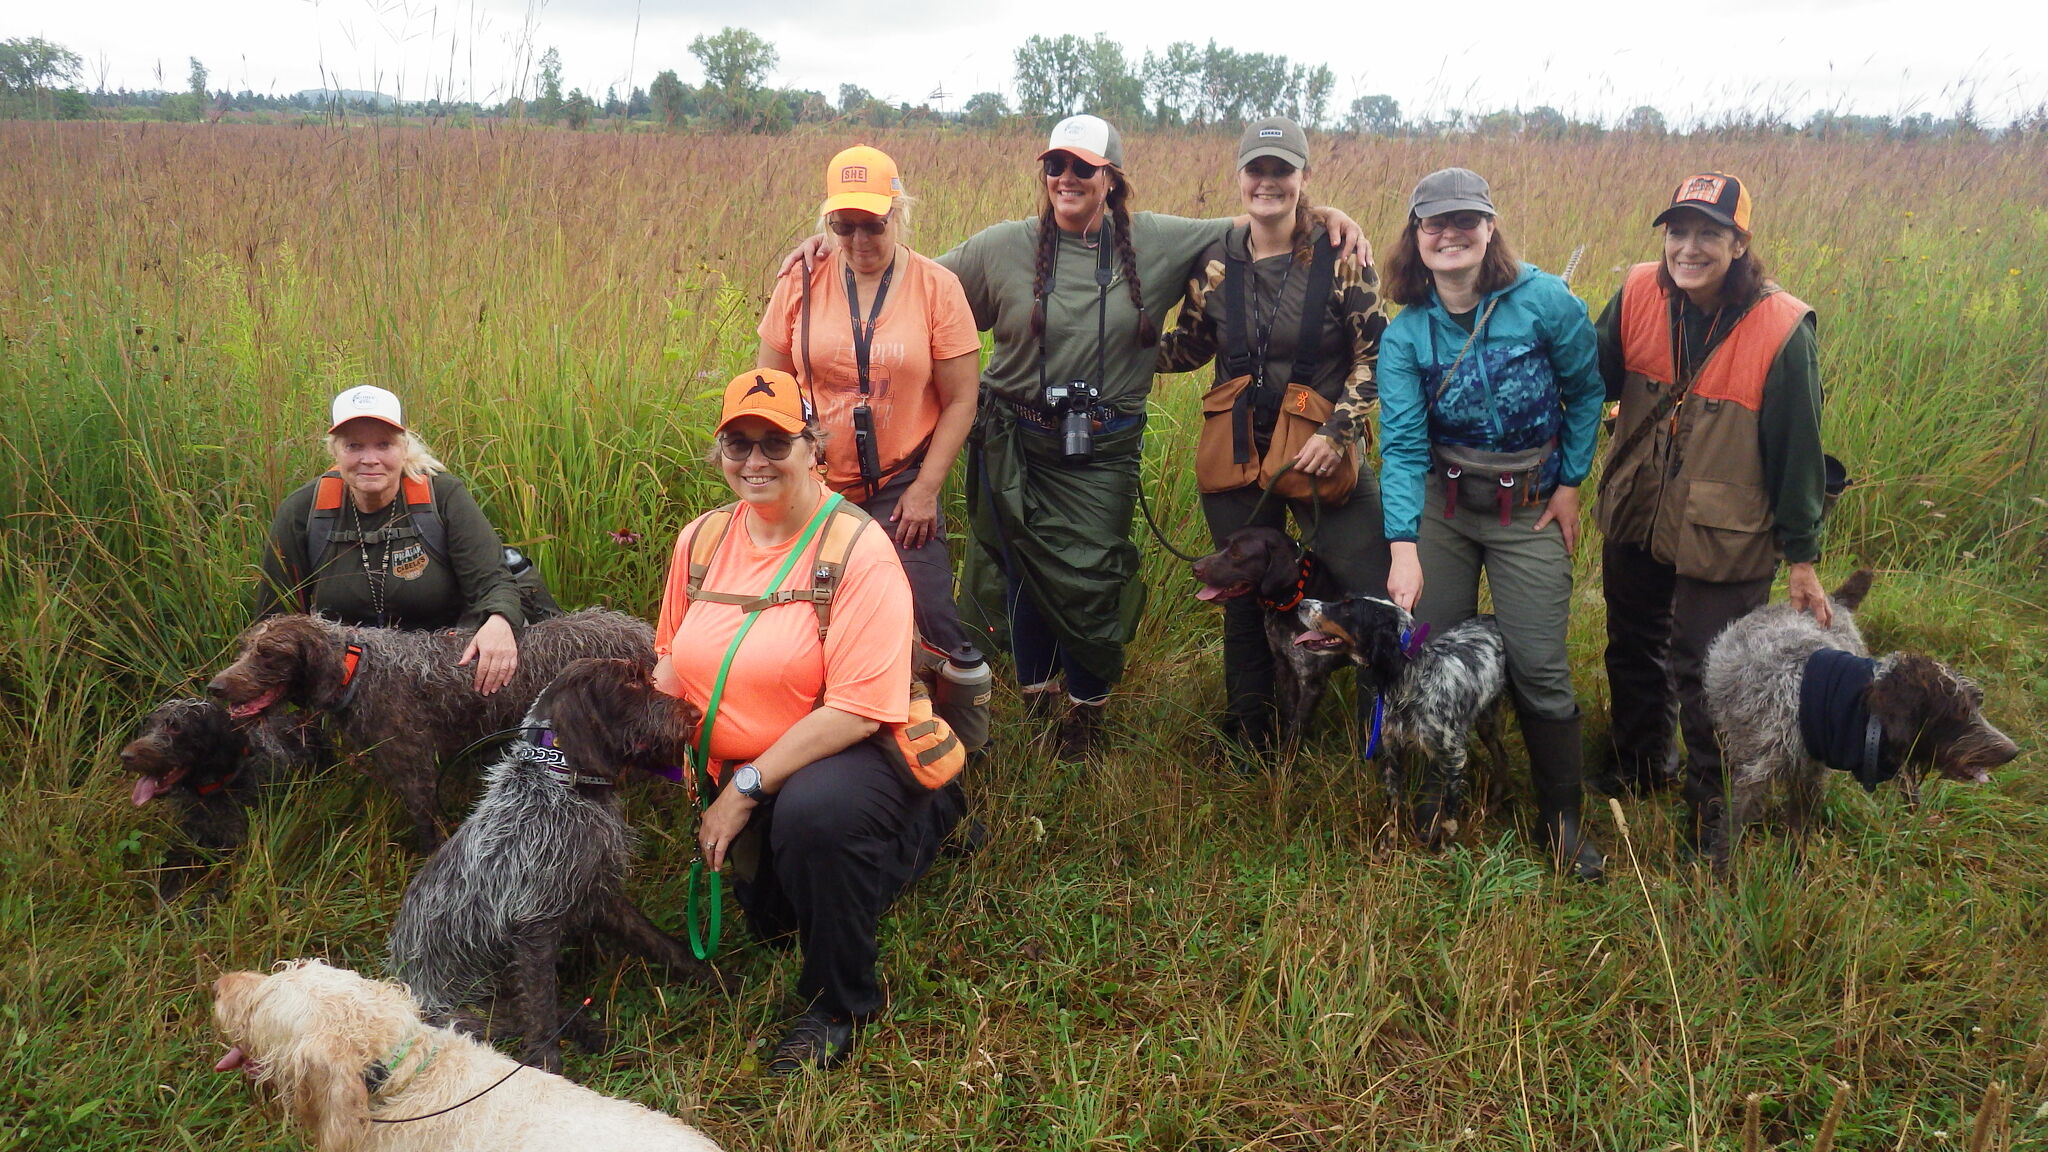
253 707
1208 592
233 1060
147 788
1308 638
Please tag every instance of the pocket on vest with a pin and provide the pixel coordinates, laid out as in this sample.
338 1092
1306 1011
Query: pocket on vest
1726 532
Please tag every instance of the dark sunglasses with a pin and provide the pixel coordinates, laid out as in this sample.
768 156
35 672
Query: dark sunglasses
872 226
738 448
1057 163
1462 221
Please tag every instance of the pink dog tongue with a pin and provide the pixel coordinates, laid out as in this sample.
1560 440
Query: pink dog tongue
233 1060
1208 592
146 789
244 711
1309 638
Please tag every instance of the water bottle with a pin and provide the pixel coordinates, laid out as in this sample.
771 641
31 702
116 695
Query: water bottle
961 696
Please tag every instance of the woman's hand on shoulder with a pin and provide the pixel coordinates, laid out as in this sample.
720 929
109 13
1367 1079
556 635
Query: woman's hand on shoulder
1345 234
807 253
495 652
1563 508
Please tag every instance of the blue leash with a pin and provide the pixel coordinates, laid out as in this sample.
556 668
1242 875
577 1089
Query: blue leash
1411 646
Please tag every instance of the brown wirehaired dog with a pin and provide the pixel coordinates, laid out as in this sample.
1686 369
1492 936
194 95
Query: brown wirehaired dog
542 860
1787 694
191 753
350 1061
399 697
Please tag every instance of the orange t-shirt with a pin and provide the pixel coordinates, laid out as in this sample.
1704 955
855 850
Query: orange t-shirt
781 670
925 318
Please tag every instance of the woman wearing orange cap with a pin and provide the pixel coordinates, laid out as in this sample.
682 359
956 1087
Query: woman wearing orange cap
388 538
822 832
884 341
1074 298
1715 475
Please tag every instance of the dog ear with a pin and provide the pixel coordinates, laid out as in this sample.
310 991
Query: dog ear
1383 655
328 1095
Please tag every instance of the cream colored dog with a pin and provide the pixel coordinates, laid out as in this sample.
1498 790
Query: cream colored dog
343 1053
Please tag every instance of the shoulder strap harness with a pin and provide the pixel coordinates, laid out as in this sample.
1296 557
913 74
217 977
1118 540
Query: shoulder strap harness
834 545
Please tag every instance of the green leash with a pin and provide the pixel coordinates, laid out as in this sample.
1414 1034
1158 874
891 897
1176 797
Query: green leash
698 891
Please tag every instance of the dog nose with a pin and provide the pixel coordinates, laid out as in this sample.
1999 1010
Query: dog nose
217 688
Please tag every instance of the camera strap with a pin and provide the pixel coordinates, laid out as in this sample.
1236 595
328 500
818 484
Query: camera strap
1105 275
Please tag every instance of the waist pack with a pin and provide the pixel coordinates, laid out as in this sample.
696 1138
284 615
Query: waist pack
421 522
924 748
1505 479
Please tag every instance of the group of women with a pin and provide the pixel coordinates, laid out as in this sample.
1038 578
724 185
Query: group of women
1489 385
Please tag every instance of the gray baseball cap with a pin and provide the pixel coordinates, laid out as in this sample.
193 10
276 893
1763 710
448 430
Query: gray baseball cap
1274 136
1451 190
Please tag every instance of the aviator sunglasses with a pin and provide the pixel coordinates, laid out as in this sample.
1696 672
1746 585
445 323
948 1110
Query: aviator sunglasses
738 448
1462 221
872 226
1056 166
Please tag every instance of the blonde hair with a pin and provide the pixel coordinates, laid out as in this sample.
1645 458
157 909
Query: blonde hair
899 221
415 460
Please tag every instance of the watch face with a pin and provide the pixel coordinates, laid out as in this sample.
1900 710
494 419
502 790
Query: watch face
747 780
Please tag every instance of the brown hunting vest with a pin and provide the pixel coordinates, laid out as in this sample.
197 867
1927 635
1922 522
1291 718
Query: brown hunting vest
1691 491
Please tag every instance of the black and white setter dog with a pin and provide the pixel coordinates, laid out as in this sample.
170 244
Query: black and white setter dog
1264 564
400 699
1419 696
190 753
542 860
1791 698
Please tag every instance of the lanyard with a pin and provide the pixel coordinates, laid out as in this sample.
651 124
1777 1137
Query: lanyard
1262 325
703 945
864 337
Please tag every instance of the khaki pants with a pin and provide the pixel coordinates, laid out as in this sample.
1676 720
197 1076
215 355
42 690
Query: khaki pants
1530 575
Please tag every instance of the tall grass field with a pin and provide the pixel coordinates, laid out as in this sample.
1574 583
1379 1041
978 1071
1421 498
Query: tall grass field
1153 951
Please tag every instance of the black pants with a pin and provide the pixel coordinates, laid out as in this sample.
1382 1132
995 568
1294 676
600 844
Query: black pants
928 567
843 838
1659 625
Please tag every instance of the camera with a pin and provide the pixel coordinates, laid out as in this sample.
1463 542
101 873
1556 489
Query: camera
1074 401
864 446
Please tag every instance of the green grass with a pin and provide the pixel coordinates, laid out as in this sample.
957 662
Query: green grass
1152 952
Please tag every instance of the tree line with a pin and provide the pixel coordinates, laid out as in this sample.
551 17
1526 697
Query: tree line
1185 86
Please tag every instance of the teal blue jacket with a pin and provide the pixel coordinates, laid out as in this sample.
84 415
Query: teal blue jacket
1533 374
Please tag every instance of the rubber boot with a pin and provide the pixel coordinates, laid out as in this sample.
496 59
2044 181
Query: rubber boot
1557 770
1079 730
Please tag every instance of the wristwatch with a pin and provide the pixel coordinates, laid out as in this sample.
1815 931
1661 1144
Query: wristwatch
746 780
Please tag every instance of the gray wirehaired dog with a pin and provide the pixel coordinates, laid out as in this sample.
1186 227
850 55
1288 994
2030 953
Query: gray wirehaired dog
1419 695
1790 697
399 697
542 859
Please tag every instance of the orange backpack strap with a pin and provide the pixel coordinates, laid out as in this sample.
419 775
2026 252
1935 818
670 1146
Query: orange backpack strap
704 541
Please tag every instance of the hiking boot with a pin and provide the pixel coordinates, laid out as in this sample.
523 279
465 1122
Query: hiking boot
816 1040
1080 730
1556 769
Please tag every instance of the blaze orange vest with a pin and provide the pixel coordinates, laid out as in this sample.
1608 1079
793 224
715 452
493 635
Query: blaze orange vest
1691 490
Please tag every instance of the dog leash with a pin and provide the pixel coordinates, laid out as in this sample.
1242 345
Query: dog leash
1411 647
516 1070
697 891
1315 513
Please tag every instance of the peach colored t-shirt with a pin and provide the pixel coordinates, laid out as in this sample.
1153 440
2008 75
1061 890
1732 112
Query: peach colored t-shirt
781 670
925 318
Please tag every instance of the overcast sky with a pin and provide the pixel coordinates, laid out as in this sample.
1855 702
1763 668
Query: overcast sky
1593 59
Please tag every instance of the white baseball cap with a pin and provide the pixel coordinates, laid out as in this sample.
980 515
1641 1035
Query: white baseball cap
1090 137
366 400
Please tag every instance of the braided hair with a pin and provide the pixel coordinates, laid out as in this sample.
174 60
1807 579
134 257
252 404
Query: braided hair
1127 258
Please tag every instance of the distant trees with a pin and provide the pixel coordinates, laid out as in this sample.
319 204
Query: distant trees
985 110
32 64
665 96
547 100
1643 120
1186 84
1376 115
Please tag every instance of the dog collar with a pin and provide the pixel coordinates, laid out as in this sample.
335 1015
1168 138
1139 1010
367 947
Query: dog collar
351 662
1413 639
1301 575
537 746
1835 721
377 1075
217 785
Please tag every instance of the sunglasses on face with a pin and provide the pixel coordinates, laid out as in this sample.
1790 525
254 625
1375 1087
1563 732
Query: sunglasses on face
1462 221
1268 168
739 448
1056 166
872 226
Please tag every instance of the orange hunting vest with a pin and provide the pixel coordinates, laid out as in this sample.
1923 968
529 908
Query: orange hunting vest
1691 491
